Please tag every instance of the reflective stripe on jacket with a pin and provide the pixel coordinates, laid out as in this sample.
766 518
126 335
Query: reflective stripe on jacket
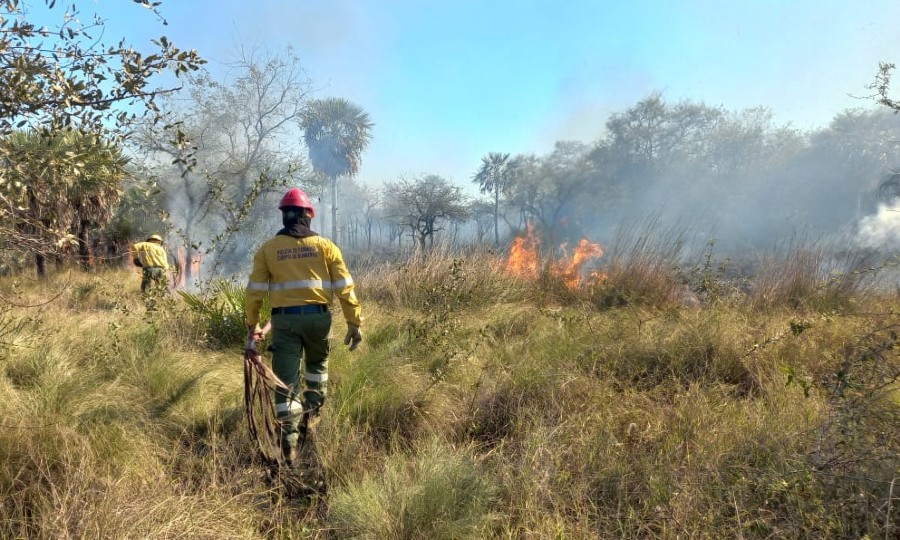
151 254
297 271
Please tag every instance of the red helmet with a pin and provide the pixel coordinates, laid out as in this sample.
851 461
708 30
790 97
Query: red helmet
296 197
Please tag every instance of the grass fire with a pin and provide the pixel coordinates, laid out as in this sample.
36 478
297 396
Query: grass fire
526 260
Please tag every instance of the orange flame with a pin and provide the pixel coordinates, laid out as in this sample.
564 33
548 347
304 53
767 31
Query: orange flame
181 266
524 257
524 260
180 263
570 269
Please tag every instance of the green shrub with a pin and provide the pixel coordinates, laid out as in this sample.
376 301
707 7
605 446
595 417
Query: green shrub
222 310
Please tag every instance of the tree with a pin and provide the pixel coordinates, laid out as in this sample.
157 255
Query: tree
549 191
889 187
882 86
241 132
849 159
494 177
484 213
652 139
66 78
65 185
422 203
138 214
364 220
336 132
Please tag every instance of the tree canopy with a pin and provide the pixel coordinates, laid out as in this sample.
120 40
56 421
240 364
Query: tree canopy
67 76
61 186
336 132
67 86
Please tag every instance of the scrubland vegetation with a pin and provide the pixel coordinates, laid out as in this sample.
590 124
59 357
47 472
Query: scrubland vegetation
655 403
658 396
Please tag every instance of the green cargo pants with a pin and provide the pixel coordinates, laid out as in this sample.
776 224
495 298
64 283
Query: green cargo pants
299 340
152 275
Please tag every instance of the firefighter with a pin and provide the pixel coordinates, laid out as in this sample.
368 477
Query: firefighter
150 256
301 272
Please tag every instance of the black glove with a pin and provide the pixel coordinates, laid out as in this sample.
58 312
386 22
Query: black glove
353 337
253 338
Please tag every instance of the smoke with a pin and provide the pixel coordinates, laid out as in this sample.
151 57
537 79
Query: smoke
741 179
882 229
213 238
246 149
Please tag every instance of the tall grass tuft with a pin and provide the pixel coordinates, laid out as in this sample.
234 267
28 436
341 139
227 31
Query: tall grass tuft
473 276
641 265
812 275
436 492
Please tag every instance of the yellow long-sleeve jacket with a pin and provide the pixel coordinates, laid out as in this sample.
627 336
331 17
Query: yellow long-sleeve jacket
150 254
298 271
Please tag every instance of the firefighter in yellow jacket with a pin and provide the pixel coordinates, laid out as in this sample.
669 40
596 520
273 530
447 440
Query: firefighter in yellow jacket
301 272
150 256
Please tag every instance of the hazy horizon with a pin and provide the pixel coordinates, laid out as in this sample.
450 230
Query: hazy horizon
448 82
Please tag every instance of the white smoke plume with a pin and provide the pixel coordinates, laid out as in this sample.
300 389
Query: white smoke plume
882 229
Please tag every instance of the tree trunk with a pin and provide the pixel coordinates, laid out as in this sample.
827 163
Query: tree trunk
334 208
40 264
84 249
188 265
497 217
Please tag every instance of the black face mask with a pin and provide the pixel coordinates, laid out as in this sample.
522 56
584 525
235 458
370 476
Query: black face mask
295 224
290 218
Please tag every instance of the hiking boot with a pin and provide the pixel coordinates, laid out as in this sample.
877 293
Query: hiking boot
291 455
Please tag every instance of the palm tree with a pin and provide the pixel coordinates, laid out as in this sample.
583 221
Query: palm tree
494 177
336 133
66 184
96 187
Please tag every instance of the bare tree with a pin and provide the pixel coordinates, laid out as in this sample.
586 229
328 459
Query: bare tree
483 212
368 204
423 204
242 135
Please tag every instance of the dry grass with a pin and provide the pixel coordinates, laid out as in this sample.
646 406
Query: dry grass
810 276
641 267
414 283
479 406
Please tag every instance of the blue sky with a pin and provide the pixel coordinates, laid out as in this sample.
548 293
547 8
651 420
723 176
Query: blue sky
447 82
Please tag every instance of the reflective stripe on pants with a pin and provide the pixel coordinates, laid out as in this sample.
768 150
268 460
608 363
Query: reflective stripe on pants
300 358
